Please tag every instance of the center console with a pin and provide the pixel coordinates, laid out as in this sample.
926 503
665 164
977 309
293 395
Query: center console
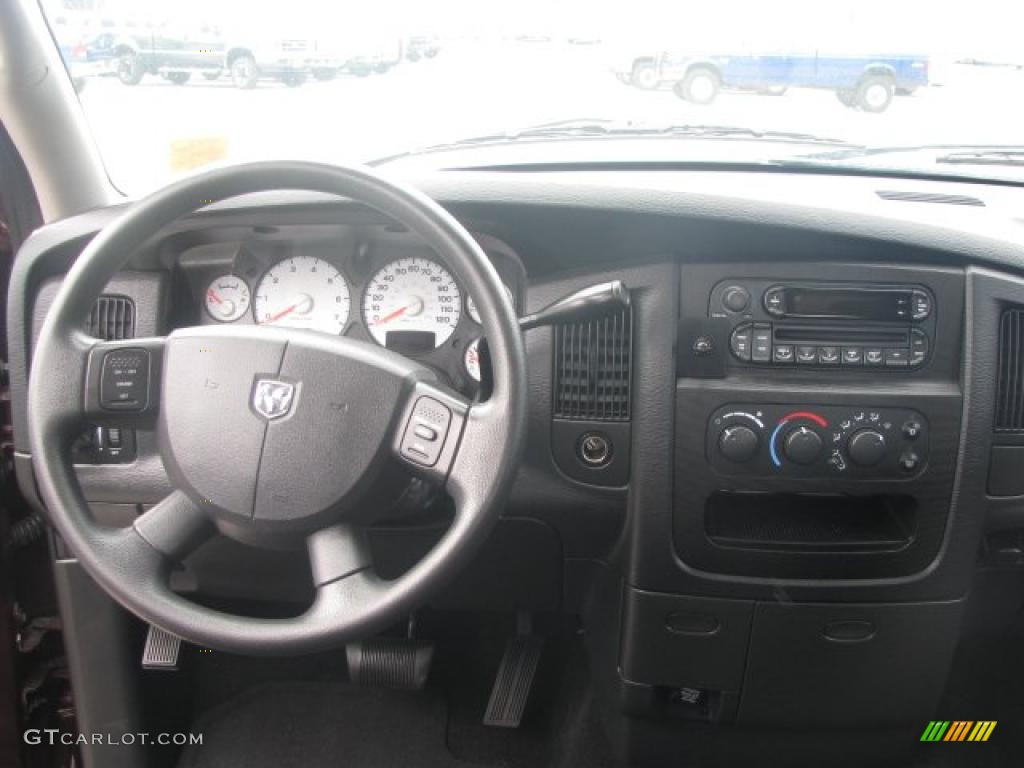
817 425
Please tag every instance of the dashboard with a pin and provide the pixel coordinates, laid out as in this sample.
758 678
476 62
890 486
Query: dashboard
805 433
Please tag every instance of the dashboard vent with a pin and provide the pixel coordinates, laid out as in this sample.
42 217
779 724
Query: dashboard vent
929 197
593 368
112 318
1010 373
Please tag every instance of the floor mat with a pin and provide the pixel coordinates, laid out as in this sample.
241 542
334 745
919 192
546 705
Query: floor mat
321 725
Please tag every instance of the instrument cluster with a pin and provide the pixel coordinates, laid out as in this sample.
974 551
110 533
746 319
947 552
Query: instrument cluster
390 293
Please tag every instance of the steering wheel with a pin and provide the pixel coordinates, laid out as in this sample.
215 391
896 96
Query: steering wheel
274 435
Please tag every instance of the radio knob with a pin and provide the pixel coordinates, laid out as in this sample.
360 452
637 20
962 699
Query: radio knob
803 445
738 443
866 447
736 298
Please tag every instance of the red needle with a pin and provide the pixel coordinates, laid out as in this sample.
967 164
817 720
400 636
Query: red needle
284 312
389 317
213 295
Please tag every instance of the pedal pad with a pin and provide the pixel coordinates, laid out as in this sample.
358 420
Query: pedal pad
515 679
389 663
161 650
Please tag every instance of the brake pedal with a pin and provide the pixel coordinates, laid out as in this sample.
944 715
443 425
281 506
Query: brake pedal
161 650
389 663
514 681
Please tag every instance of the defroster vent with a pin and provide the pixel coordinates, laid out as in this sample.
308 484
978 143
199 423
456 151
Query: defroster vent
593 368
1010 386
112 318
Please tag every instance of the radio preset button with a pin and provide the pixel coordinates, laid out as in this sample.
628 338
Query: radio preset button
761 345
918 347
807 354
874 356
828 355
783 353
897 358
853 355
739 342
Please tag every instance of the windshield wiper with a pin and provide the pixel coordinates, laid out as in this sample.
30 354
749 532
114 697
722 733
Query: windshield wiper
984 157
590 128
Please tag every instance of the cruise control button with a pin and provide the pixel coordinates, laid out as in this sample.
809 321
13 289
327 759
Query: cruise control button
853 355
783 353
761 351
828 355
739 342
808 355
874 356
897 358
424 432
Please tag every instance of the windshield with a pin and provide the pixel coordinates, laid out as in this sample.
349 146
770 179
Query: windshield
171 86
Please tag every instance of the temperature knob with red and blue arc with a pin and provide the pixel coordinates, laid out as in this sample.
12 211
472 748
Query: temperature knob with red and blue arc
796 439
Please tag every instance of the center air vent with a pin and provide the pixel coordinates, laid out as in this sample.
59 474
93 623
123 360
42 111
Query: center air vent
1010 373
593 368
112 318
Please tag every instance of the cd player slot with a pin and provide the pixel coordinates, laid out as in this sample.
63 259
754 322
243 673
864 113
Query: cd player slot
817 335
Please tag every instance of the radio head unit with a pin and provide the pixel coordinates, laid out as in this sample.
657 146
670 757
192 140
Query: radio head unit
888 305
826 325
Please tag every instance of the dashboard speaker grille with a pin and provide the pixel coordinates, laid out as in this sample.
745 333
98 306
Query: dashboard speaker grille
1010 383
929 197
112 318
593 368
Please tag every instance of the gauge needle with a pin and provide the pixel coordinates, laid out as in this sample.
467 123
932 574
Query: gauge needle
213 295
288 310
414 307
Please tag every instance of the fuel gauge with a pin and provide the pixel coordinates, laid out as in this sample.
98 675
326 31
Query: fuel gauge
227 298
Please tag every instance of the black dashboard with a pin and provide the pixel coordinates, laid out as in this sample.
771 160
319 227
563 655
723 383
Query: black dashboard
812 414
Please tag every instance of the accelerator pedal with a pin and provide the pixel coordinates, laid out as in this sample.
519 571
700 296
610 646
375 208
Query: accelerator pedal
390 663
161 650
515 679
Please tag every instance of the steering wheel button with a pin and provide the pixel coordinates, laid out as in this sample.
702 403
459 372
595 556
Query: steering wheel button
124 380
424 432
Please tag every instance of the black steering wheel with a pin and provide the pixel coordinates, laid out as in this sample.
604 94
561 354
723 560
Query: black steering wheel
272 435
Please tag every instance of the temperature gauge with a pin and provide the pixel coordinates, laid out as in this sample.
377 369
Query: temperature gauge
472 359
227 298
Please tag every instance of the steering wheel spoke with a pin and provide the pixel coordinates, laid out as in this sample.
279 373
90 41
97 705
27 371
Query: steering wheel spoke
122 381
175 526
338 552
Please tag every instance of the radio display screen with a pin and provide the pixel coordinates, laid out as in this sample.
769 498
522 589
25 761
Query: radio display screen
848 304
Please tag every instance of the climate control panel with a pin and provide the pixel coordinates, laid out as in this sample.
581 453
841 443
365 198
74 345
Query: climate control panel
773 440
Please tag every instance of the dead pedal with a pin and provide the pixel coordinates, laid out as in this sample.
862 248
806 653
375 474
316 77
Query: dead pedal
390 663
161 650
515 679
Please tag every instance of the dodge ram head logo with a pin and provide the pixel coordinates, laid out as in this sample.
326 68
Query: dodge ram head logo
272 399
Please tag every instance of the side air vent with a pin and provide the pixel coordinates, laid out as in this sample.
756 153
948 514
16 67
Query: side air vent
929 197
593 368
112 318
1010 372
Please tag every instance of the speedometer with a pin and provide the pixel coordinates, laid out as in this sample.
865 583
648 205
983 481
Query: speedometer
303 292
412 295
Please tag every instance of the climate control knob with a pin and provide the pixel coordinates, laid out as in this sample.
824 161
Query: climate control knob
866 447
738 443
803 445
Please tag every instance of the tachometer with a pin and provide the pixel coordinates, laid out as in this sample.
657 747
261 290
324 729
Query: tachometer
227 298
303 292
412 295
474 313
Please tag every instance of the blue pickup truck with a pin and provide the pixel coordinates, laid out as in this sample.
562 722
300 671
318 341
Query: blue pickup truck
861 82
